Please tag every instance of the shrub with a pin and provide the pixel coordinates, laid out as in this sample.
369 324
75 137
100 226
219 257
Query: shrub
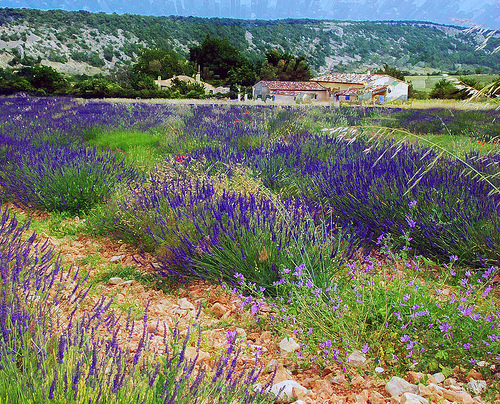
61 178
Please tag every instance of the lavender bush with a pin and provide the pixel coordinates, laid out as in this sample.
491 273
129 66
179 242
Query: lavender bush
49 352
61 178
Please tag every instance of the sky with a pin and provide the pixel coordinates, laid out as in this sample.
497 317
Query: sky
451 12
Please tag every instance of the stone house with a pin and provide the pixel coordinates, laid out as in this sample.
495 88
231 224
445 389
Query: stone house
209 89
351 87
290 91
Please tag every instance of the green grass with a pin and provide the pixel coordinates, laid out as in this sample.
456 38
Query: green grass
426 83
149 280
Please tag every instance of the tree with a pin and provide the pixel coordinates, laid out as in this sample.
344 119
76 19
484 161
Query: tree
444 89
284 66
43 78
218 57
391 71
160 62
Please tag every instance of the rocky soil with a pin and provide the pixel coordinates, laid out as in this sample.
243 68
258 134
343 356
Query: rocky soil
221 311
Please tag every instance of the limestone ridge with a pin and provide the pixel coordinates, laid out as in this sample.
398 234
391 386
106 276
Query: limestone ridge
83 42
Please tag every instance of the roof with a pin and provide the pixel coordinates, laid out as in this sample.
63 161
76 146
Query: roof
350 91
286 92
375 88
347 78
292 85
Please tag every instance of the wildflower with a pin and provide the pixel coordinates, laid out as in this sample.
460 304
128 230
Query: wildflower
365 348
298 270
411 223
412 204
466 346
444 327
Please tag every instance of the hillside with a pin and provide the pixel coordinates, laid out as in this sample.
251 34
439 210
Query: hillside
83 42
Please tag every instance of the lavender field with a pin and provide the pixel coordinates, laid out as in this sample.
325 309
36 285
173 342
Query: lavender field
348 225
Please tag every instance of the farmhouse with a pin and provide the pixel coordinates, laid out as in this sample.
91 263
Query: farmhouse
209 89
290 91
351 87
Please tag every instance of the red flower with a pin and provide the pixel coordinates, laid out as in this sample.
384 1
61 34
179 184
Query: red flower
238 120
178 159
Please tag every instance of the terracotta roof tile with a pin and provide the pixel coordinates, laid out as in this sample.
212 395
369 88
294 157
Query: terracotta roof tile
347 78
293 85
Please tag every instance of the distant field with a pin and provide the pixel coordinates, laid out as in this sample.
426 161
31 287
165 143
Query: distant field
426 83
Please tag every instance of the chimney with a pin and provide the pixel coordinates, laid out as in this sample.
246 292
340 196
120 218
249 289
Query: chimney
159 82
198 75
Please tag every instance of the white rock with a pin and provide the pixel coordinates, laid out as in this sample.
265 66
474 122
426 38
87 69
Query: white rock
397 386
115 281
410 398
299 402
439 377
482 364
284 390
117 258
476 386
357 358
378 369
289 345
185 304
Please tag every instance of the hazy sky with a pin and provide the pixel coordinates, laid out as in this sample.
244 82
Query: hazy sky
483 12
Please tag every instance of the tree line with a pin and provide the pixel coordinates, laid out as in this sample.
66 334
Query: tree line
218 62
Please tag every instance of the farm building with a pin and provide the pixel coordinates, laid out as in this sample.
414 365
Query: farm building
363 87
290 91
209 89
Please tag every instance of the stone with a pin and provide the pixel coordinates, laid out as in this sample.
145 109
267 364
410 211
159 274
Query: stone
219 310
439 377
300 394
356 358
284 390
288 345
323 386
115 281
299 402
190 353
266 336
410 398
435 389
185 304
474 375
397 386
340 379
360 399
450 382
117 258
376 398
423 390
459 396
241 333
282 374
476 386
379 369
414 377
273 364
